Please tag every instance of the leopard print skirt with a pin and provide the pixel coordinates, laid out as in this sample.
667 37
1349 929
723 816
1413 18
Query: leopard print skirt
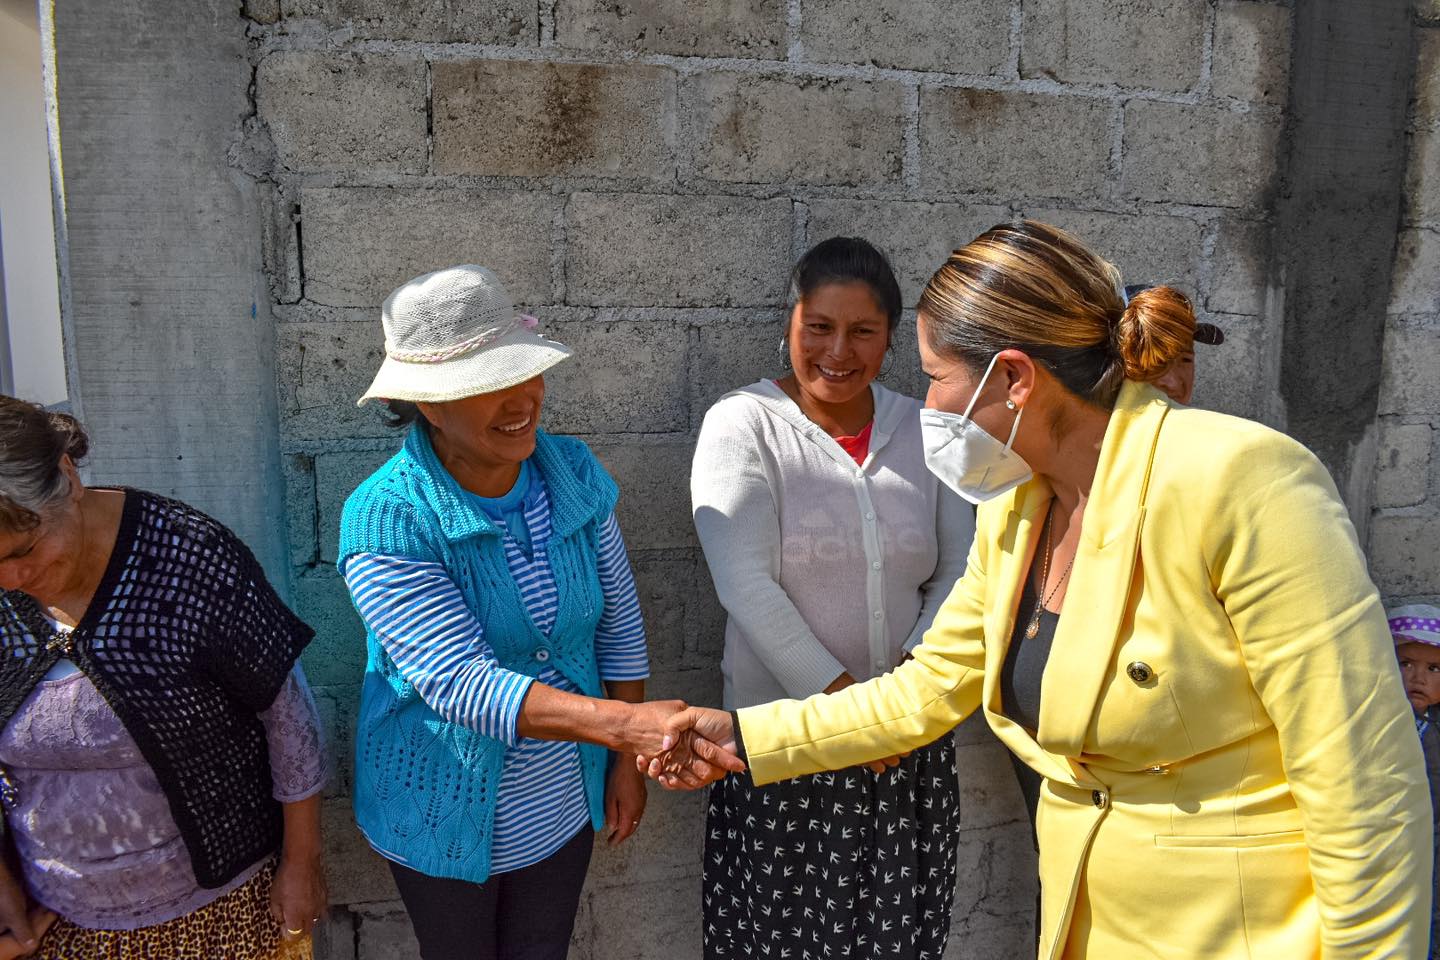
238 926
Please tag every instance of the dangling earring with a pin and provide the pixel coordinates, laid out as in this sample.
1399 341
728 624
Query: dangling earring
1010 404
785 353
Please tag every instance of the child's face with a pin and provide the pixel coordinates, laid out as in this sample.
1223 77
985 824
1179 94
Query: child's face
1420 669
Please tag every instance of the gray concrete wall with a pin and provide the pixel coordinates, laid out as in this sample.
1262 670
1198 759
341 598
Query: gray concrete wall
245 185
1405 525
642 176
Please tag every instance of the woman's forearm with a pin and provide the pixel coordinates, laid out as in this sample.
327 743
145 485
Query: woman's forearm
551 714
302 839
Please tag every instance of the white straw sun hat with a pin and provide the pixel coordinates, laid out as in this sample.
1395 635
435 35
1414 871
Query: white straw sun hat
454 333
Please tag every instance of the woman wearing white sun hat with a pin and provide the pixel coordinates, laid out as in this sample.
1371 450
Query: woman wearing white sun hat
503 626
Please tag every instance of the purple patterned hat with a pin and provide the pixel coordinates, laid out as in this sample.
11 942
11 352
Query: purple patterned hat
1415 623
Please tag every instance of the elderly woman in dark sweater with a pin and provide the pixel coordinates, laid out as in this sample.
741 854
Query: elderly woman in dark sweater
158 744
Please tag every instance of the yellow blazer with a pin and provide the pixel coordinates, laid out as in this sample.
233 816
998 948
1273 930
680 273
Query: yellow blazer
1231 766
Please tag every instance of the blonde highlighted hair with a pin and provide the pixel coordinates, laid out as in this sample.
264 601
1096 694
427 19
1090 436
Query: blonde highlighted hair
1035 288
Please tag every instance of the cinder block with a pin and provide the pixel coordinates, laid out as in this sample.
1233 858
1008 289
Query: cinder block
739 28
704 623
496 21
1146 248
917 237
647 250
336 477
745 128
1415 286
361 243
666 589
654 479
1408 384
344 111
298 474
354 873
1422 177
997 872
1008 937
733 355
1250 58
625 377
1403 558
1013 144
335 936
669 932
1427 78
1232 377
383 932
1428 10
1155 45
1402 468
959 36
697 687
324 368
1186 153
512 118
989 794
667 845
337 654
336 706
1238 268
262 11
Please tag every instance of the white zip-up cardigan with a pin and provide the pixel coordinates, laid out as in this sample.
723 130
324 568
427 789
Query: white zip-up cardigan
822 566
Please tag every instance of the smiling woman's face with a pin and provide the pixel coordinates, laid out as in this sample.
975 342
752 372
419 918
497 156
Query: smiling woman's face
838 337
40 560
491 429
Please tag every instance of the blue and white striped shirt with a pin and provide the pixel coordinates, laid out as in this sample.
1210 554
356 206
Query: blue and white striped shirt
420 618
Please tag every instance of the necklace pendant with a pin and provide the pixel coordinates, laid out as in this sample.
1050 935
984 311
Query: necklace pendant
1032 629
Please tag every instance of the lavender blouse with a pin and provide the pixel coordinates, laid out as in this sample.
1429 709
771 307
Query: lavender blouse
94 831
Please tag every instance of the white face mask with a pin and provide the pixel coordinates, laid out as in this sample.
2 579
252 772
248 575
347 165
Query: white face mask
965 457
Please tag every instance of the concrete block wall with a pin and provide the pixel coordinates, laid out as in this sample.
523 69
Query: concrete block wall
1405 521
642 176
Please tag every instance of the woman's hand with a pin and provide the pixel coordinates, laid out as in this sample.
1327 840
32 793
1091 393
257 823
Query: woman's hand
37 921
298 896
625 796
699 748
17 918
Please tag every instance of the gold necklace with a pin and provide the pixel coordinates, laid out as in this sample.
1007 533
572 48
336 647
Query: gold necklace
1033 629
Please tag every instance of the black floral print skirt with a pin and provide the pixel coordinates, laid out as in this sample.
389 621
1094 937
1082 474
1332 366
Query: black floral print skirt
850 864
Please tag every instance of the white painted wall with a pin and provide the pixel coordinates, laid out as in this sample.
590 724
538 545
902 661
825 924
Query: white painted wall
27 227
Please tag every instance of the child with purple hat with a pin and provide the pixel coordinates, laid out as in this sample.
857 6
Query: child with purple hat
1416 629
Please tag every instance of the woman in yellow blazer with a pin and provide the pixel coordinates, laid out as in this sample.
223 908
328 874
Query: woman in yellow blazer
1229 768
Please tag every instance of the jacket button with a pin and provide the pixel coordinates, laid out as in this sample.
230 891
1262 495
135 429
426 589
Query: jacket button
1140 672
1098 798
542 655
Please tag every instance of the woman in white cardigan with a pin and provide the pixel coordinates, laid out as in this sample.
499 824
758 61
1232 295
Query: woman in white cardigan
831 547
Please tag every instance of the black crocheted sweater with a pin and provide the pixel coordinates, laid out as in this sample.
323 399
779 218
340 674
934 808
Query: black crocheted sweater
187 642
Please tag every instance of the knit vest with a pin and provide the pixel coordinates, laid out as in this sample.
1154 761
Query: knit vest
187 643
425 788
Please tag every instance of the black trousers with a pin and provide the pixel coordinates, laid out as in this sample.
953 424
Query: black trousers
525 914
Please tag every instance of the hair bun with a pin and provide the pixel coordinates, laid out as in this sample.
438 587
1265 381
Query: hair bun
70 437
1155 329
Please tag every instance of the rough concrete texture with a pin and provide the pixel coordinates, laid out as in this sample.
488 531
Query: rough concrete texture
509 118
1156 44
494 21
969 140
957 36
345 111
917 237
1251 55
1146 249
735 28
1402 469
641 175
359 243
676 250
744 129
1205 155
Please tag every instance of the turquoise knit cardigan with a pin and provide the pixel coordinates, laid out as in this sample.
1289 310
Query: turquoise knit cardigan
425 787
